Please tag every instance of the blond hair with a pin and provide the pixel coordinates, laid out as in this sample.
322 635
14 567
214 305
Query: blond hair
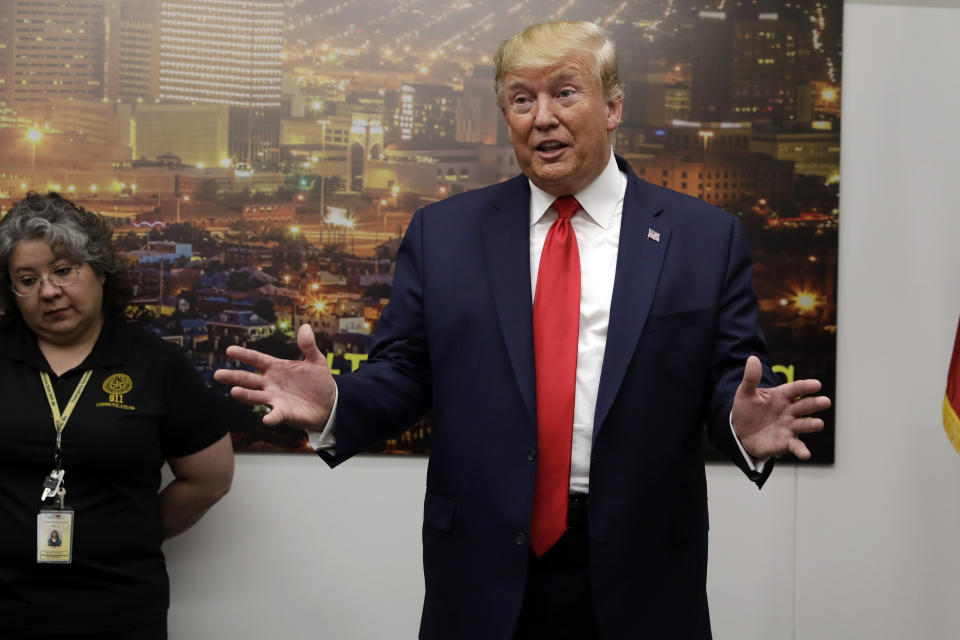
550 43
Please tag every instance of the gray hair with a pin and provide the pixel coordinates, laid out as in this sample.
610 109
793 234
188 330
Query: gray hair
71 232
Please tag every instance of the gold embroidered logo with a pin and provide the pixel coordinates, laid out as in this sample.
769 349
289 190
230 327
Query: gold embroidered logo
115 387
118 384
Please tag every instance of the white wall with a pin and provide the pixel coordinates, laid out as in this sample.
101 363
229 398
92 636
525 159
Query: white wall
867 548
877 537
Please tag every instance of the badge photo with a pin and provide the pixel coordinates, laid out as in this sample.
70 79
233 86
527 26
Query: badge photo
55 536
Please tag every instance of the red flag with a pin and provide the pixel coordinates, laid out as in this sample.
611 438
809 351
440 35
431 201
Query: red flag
951 399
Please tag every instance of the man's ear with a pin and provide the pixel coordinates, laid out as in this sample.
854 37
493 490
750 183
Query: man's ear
614 113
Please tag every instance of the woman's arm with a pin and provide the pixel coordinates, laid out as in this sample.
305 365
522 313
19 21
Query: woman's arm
200 479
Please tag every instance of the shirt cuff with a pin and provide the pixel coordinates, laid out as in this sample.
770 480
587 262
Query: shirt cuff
754 464
326 440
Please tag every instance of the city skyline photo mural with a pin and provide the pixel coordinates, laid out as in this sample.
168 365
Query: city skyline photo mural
260 160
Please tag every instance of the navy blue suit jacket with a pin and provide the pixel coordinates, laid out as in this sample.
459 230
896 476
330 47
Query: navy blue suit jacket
457 338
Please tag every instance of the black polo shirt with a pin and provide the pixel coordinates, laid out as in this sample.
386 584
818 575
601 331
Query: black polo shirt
144 403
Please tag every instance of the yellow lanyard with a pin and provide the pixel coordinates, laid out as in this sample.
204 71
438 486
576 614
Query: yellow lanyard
60 420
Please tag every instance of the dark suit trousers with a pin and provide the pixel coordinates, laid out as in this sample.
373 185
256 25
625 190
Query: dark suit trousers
557 602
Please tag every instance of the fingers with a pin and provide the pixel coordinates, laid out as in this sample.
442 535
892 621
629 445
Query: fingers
236 352
250 357
752 372
256 397
806 425
238 377
250 396
808 405
308 345
272 418
798 449
798 388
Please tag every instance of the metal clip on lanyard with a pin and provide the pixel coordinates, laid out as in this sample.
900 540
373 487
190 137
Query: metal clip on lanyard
53 485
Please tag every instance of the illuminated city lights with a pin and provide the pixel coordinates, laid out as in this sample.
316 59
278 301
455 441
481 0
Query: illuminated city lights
805 301
375 114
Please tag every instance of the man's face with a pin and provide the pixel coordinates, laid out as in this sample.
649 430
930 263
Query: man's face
559 123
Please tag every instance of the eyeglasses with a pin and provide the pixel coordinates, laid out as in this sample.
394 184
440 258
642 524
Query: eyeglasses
64 276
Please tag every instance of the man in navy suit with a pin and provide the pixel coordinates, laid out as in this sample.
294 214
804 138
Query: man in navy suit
662 341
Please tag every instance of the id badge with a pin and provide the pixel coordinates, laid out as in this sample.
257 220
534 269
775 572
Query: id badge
55 536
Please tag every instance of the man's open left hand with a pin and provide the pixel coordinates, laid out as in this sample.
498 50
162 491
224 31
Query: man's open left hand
768 421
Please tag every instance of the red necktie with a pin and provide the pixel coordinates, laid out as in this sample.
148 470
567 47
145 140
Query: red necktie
556 323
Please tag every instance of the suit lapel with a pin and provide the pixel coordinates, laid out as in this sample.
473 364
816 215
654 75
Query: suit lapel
644 237
505 230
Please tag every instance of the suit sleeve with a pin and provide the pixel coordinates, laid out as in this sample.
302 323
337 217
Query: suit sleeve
737 336
391 389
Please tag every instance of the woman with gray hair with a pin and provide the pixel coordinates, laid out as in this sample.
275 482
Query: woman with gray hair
131 401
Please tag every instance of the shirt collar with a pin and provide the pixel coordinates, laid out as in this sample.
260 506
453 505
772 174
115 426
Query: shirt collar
599 199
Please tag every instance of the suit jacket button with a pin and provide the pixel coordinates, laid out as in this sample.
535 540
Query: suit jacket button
521 538
532 455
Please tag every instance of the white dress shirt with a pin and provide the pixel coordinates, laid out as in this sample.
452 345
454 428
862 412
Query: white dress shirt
597 228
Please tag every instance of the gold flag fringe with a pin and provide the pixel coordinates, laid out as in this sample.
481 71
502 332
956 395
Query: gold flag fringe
951 423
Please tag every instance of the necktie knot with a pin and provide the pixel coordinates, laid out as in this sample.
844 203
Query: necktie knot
566 206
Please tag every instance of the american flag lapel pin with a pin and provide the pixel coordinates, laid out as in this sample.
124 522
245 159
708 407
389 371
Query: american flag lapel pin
653 235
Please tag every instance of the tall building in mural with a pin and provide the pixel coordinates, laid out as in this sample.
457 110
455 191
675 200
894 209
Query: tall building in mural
227 52
133 51
50 51
422 112
746 65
